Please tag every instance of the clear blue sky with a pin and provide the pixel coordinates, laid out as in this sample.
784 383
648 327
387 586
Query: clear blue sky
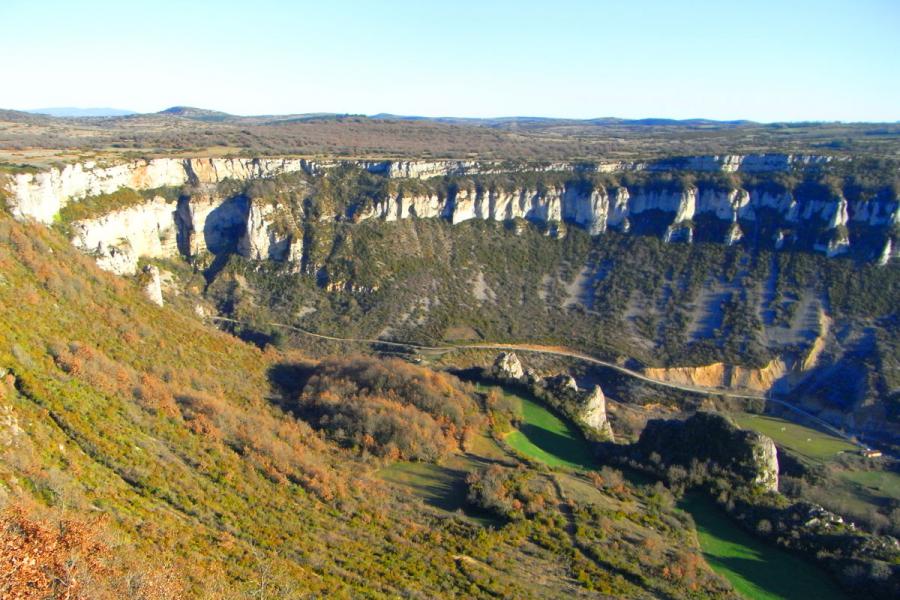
763 60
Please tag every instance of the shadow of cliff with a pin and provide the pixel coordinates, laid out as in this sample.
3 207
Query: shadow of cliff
288 380
225 225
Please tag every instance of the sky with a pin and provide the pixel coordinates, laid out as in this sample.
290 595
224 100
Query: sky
785 60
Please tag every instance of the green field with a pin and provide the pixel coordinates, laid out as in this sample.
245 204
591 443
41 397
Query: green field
443 486
756 570
811 443
876 483
547 438
439 486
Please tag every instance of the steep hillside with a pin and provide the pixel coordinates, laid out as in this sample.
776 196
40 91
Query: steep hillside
173 432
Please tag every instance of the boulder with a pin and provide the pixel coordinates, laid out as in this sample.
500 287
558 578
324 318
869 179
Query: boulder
562 385
507 366
150 283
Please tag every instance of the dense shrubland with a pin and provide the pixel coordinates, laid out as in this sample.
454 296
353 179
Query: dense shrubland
390 408
47 553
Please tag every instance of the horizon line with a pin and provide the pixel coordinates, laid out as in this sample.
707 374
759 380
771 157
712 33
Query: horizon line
384 114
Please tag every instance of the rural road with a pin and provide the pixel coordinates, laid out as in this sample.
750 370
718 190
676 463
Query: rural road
557 351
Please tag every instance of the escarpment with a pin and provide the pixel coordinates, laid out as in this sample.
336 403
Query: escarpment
723 376
670 199
41 195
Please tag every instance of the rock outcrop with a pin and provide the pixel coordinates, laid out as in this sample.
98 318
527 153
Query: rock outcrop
152 285
588 408
593 413
508 367
714 441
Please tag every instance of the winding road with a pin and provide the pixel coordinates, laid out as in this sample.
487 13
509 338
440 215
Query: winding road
565 352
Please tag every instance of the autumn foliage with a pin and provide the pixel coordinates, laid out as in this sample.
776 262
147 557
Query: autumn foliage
389 407
53 556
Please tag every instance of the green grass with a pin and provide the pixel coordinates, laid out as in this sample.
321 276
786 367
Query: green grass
547 438
443 486
439 486
878 483
807 442
847 488
755 569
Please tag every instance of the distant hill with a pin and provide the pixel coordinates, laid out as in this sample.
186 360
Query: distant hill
19 116
198 114
540 122
71 111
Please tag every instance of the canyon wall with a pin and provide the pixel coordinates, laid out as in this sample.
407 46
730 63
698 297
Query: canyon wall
267 230
41 195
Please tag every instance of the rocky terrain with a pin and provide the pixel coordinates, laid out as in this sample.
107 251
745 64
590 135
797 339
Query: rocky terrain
765 211
710 439
302 216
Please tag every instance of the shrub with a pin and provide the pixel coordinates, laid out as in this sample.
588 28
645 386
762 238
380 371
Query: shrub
504 492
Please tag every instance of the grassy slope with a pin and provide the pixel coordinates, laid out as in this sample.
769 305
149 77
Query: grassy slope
756 570
849 489
549 439
801 440
241 491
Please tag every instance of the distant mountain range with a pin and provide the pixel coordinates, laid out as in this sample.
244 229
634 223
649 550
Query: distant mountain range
72 111
509 123
205 114
202 114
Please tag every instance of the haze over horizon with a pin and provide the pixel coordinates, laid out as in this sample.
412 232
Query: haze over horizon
92 111
809 61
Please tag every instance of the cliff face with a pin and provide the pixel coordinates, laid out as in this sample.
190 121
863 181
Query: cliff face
120 238
777 220
265 231
272 233
722 375
41 195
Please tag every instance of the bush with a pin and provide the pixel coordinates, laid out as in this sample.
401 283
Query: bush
504 492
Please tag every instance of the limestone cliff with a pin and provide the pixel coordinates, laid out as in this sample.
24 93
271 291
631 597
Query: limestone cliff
272 233
688 213
120 238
